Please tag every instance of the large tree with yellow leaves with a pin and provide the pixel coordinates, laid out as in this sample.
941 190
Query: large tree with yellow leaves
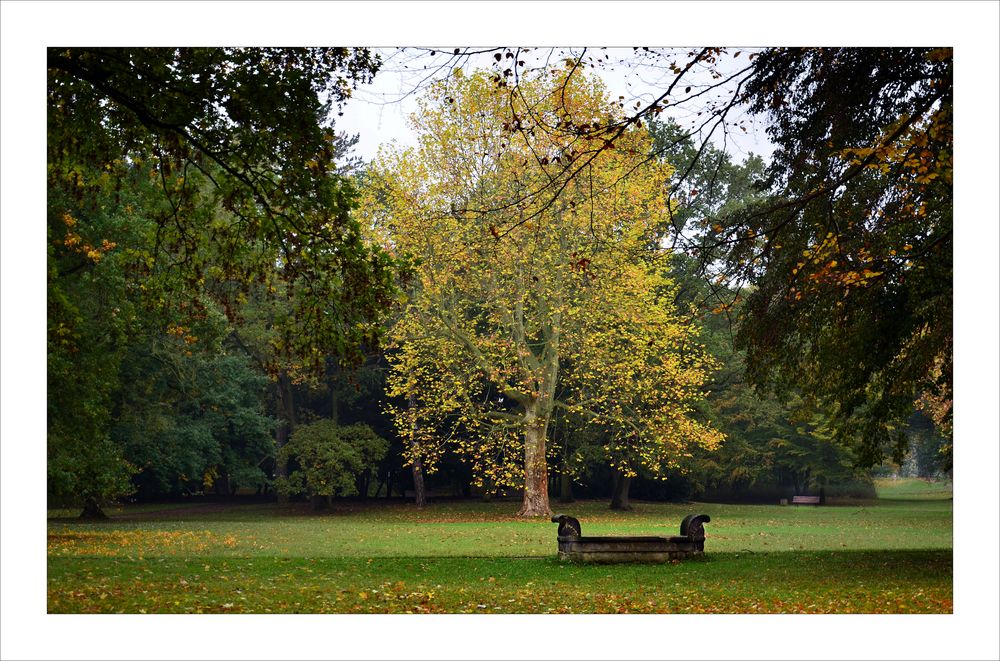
522 303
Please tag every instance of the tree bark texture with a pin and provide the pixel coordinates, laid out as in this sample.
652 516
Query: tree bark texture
419 491
536 483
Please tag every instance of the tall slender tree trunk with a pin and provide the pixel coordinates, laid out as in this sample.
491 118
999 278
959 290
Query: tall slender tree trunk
420 493
565 480
536 482
334 375
565 488
286 405
280 466
363 483
619 494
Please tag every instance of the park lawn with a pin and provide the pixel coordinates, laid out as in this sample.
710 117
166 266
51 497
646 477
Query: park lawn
911 488
890 556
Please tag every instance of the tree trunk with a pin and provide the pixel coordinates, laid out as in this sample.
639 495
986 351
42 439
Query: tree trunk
619 494
420 493
565 481
334 393
280 466
565 488
92 510
285 426
536 483
321 503
222 485
361 484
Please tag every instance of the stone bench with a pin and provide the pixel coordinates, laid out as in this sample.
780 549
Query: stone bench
574 546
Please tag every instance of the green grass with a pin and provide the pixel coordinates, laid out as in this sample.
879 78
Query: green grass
909 488
886 556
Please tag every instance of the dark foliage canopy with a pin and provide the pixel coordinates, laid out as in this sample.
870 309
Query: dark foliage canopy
241 143
849 261
183 183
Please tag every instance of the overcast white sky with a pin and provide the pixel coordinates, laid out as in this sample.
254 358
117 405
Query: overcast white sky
378 111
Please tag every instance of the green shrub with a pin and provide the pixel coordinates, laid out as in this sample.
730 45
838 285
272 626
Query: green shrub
328 457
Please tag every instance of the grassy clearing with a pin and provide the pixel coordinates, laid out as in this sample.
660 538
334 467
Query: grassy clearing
489 529
891 556
908 488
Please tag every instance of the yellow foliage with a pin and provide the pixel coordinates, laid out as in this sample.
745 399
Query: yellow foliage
517 288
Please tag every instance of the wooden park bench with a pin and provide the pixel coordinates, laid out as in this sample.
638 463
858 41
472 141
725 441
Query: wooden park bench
805 500
574 546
